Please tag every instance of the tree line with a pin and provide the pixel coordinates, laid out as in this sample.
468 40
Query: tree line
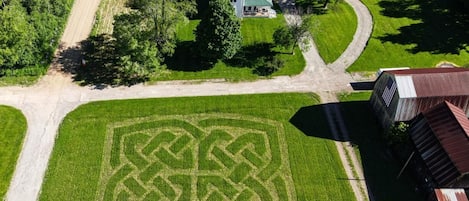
145 37
29 34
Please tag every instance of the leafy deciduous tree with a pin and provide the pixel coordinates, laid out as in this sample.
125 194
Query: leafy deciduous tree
137 56
16 37
144 37
295 33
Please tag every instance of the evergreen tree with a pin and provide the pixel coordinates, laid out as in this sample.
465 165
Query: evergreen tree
218 35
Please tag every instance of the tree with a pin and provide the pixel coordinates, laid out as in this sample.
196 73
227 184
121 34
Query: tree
283 36
145 36
397 134
295 33
138 57
218 35
16 37
161 18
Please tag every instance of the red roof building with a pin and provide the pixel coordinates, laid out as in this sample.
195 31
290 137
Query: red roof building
400 95
441 139
448 194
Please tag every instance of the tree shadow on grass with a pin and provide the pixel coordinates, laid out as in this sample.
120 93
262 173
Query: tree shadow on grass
259 57
380 167
249 56
187 58
443 29
99 69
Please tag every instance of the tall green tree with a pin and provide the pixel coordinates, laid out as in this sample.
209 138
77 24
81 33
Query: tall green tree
146 35
297 32
137 56
218 35
161 17
16 37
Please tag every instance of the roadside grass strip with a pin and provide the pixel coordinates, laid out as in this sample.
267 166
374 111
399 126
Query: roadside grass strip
12 132
200 148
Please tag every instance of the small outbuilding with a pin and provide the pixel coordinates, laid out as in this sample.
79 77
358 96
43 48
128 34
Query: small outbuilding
253 8
441 139
399 95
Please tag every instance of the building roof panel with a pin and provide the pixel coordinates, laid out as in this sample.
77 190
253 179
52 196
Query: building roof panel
258 3
450 194
449 124
405 86
433 82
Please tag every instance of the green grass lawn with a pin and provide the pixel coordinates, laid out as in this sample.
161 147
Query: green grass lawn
185 148
415 34
334 30
12 131
257 42
379 167
20 80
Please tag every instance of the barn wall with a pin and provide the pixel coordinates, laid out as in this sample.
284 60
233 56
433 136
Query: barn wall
408 108
384 114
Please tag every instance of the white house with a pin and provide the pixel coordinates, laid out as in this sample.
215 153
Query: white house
253 8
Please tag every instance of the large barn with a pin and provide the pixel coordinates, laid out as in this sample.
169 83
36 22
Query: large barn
400 95
441 139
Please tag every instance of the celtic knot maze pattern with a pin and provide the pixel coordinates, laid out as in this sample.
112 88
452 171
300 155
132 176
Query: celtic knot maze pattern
196 157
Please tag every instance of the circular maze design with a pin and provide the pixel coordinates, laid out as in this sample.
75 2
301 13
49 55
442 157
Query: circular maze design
196 157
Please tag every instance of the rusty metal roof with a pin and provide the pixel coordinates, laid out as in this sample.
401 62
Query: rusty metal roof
432 82
450 194
451 127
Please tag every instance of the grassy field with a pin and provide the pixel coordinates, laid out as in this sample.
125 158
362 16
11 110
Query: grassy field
379 167
105 15
12 131
415 34
334 30
205 148
257 43
247 65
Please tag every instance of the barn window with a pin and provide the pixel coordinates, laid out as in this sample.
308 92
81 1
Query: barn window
389 91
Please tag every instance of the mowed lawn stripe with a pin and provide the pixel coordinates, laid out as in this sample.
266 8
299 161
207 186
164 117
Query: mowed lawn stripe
316 170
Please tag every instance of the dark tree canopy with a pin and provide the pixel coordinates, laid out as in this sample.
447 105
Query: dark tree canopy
218 35
143 38
29 32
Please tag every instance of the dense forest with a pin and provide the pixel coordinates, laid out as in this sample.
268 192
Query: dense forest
29 33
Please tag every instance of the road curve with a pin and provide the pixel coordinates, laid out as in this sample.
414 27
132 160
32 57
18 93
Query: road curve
360 38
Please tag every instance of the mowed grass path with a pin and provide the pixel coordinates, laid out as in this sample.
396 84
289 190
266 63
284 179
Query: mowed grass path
257 42
414 34
12 131
334 30
379 167
78 154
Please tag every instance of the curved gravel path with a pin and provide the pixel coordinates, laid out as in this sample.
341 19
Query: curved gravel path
46 103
